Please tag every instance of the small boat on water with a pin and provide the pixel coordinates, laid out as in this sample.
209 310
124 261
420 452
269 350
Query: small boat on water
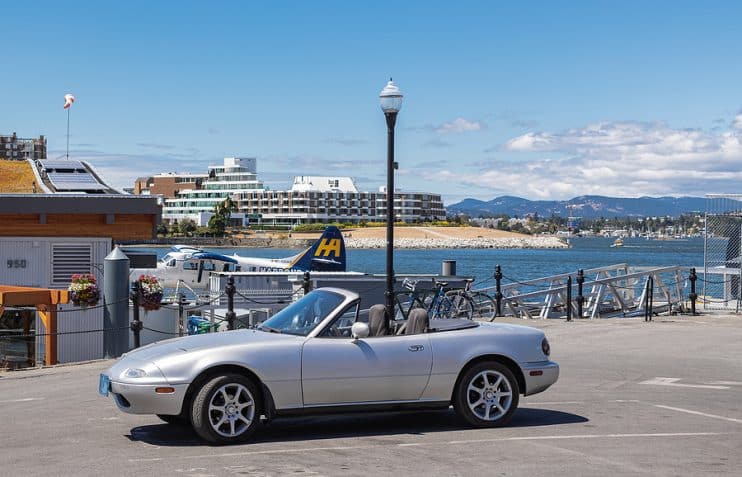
617 243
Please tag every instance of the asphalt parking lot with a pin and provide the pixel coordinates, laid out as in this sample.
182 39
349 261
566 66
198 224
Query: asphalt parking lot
633 398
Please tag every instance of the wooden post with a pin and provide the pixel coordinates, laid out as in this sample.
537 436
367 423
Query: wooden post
46 301
48 315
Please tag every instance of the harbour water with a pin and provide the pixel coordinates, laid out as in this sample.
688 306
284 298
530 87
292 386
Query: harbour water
517 264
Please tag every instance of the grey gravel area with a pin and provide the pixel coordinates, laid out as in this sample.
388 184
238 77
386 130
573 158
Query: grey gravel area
497 242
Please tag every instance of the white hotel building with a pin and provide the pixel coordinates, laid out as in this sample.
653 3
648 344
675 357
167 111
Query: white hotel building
311 199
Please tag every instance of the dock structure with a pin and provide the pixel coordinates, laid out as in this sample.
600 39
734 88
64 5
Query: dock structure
614 290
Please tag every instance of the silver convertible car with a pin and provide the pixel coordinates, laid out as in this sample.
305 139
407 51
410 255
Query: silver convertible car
324 353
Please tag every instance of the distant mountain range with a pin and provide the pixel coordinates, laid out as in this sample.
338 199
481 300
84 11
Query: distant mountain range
587 206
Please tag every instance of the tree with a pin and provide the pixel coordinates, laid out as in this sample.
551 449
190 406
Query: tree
222 213
186 227
225 208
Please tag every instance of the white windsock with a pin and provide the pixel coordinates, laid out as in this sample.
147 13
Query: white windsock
68 100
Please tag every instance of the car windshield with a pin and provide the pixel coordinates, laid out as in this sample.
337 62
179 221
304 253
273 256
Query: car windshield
303 316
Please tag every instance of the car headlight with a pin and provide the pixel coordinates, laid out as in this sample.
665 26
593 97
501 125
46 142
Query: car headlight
135 373
545 346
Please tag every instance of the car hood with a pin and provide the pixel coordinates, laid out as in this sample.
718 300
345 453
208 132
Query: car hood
185 344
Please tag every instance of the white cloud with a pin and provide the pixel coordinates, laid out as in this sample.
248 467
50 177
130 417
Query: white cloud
460 125
626 159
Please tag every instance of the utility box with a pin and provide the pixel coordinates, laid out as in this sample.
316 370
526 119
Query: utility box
141 259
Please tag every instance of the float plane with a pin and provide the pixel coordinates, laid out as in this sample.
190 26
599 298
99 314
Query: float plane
191 266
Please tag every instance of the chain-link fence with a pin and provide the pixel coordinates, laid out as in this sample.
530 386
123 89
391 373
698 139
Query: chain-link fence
722 274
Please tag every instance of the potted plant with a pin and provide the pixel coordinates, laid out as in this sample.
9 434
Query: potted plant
150 290
84 290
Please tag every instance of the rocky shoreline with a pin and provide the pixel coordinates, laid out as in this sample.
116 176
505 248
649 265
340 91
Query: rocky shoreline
365 243
500 242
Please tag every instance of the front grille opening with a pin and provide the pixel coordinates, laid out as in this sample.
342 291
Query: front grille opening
121 400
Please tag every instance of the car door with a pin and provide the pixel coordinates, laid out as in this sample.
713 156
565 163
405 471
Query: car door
340 370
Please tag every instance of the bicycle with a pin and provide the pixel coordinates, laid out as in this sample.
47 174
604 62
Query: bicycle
447 304
485 307
413 300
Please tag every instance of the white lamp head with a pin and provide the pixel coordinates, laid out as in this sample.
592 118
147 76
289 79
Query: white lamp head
391 98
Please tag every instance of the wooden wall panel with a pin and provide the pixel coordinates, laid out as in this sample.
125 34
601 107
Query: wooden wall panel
134 227
79 219
19 218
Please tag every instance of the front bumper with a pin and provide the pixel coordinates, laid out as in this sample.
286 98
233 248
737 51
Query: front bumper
539 376
142 398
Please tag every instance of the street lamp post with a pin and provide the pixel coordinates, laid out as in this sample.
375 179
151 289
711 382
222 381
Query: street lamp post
391 102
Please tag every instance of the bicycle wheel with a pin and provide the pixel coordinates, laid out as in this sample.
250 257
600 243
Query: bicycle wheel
485 307
457 305
403 308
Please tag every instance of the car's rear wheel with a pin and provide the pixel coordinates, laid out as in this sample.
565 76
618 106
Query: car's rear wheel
487 395
226 409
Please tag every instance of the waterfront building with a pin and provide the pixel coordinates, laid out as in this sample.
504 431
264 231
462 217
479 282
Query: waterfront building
13 147
311 199
168 184
324 199
236 175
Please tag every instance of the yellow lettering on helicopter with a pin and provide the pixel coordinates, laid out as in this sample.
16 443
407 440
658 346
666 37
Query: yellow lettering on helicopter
326 246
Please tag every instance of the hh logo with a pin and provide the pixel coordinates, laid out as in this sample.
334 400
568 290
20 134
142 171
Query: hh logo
328 246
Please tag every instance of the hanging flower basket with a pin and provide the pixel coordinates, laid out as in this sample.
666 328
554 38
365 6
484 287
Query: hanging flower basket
150 292
84 290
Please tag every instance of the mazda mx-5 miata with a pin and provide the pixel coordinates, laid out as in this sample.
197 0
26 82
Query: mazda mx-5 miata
324 353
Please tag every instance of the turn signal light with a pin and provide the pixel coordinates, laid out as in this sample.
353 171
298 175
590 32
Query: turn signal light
536 373
165 390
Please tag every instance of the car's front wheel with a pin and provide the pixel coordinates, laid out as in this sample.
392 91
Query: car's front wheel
487 395
226 409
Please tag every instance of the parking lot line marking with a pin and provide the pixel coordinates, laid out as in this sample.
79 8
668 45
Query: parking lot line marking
589 436
698 413
725 383
552 403
673 382
22 400
270 451
411 444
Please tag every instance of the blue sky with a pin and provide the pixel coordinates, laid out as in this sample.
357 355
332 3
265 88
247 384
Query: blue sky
544 100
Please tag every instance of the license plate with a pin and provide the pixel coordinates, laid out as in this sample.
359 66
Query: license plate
104 385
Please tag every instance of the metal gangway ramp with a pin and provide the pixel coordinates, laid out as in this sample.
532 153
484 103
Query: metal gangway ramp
613 290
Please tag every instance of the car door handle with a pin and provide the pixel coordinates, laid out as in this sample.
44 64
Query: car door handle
414 348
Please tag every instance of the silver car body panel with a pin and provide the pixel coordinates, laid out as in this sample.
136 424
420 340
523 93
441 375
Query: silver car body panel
385 368
316 371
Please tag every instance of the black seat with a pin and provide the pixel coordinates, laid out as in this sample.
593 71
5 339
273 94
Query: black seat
417 322
377 324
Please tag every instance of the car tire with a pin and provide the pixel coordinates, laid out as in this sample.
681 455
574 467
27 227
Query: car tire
487 395
226 409
175 420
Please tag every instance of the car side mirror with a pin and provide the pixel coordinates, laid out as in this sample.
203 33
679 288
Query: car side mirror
359 330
